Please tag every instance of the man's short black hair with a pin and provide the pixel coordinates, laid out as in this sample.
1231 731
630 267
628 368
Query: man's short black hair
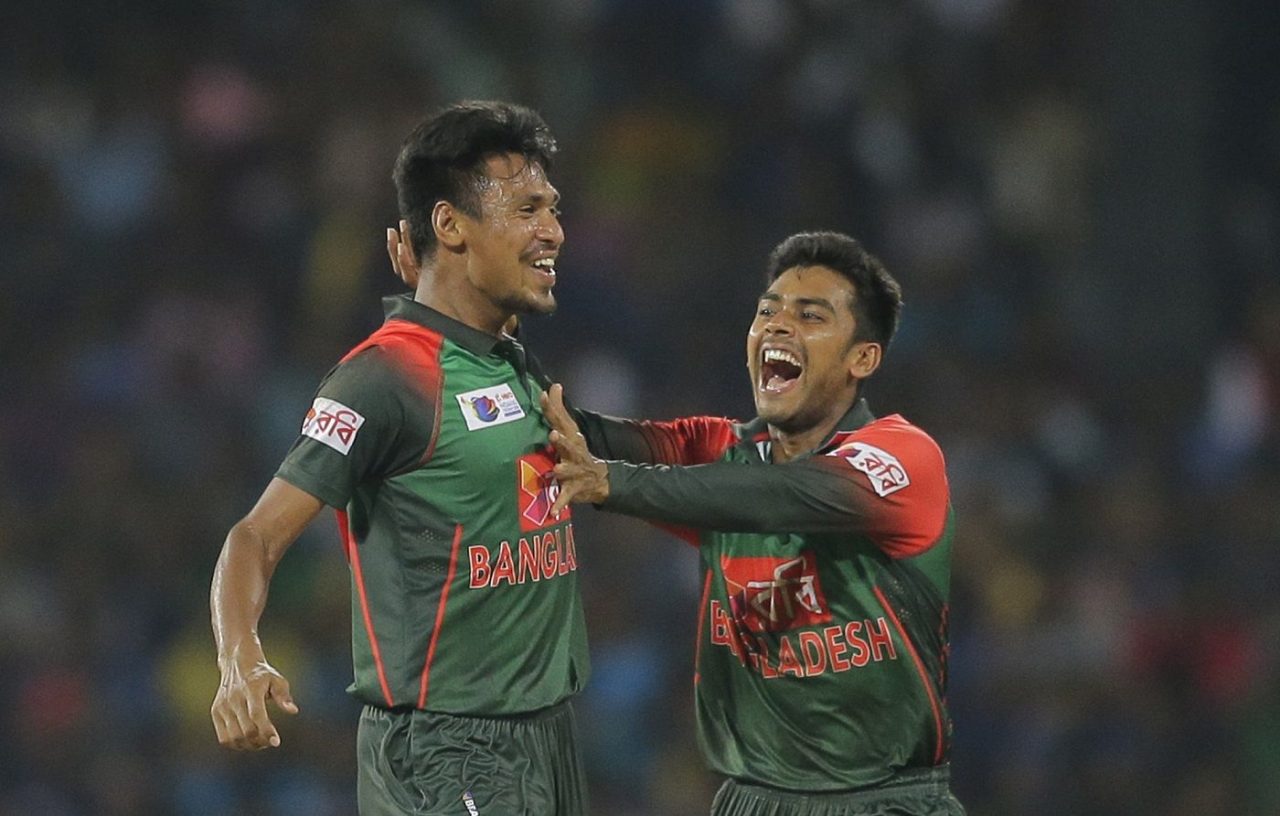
443 159
878 300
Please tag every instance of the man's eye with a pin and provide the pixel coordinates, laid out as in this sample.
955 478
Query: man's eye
765 311
808 315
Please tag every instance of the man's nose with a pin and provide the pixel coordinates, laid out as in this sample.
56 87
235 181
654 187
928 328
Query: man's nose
778 323
550 230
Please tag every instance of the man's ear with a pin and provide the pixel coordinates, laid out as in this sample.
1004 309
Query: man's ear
446 222
864 358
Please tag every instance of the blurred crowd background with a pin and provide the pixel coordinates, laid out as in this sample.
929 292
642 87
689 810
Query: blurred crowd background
1081 199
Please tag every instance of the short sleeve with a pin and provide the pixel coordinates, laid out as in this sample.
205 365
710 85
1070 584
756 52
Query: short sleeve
365 423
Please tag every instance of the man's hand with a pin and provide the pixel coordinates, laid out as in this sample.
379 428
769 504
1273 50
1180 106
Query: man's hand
240 708
581 476
404 262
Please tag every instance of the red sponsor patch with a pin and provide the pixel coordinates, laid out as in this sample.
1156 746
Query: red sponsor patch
536 492
774 594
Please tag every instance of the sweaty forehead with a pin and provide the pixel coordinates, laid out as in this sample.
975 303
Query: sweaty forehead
811 283
510 174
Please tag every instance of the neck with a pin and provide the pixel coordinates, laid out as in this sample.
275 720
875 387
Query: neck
453 296
788 445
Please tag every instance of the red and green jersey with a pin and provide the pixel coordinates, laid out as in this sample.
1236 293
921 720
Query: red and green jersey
429 440
822 634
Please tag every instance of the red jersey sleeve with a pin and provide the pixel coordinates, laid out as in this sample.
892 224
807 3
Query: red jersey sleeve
900 481
686 441
886 482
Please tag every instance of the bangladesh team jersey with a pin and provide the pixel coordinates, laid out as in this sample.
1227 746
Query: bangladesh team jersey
822 634
429 440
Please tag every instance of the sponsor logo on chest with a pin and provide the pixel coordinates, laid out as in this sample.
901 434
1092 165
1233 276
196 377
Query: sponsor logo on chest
768 599
536 491
545 549
487 407
775 593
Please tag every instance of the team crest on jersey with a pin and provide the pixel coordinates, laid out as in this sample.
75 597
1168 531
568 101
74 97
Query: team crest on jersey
486 407
885 472
536 491
773 594
333 424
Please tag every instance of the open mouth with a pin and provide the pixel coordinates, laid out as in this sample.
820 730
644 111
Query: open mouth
546 267
779 371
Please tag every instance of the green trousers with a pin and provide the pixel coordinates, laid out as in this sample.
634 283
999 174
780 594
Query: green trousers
912 793
423 763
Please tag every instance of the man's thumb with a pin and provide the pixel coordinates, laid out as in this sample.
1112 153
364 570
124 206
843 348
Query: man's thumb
280 694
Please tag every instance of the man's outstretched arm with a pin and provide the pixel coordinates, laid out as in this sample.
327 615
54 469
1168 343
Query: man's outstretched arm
237 598
888 483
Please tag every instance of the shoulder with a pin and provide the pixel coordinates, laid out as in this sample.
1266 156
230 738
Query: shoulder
401 360
893 453
896 431
402 345
364 373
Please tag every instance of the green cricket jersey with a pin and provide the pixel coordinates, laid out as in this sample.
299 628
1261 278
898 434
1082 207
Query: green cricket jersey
429 440
822 634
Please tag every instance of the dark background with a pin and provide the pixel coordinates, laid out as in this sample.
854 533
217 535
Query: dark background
1081 199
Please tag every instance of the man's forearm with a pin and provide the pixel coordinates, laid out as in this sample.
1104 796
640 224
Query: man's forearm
686 441
238 595
736 497
249 557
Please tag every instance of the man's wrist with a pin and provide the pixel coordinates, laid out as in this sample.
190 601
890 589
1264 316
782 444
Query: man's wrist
238 653
615 473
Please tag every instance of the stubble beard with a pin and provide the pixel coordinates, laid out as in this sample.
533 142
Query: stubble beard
799 417
529 304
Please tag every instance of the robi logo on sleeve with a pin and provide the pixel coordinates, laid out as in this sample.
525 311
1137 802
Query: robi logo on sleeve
883 470
333 424
536 491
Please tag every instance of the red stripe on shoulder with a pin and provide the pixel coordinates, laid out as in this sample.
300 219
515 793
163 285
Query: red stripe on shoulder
416 351
905 486
406 342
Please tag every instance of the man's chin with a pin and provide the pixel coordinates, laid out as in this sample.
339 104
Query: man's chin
773 413
542 306
533 305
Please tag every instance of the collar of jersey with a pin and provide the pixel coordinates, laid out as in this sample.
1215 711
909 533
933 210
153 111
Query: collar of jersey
859 414
404 307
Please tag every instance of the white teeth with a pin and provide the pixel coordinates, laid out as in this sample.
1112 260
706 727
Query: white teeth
773 354
545 263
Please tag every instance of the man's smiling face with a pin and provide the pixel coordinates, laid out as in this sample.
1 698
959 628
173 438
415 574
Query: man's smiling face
515 241
801 349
